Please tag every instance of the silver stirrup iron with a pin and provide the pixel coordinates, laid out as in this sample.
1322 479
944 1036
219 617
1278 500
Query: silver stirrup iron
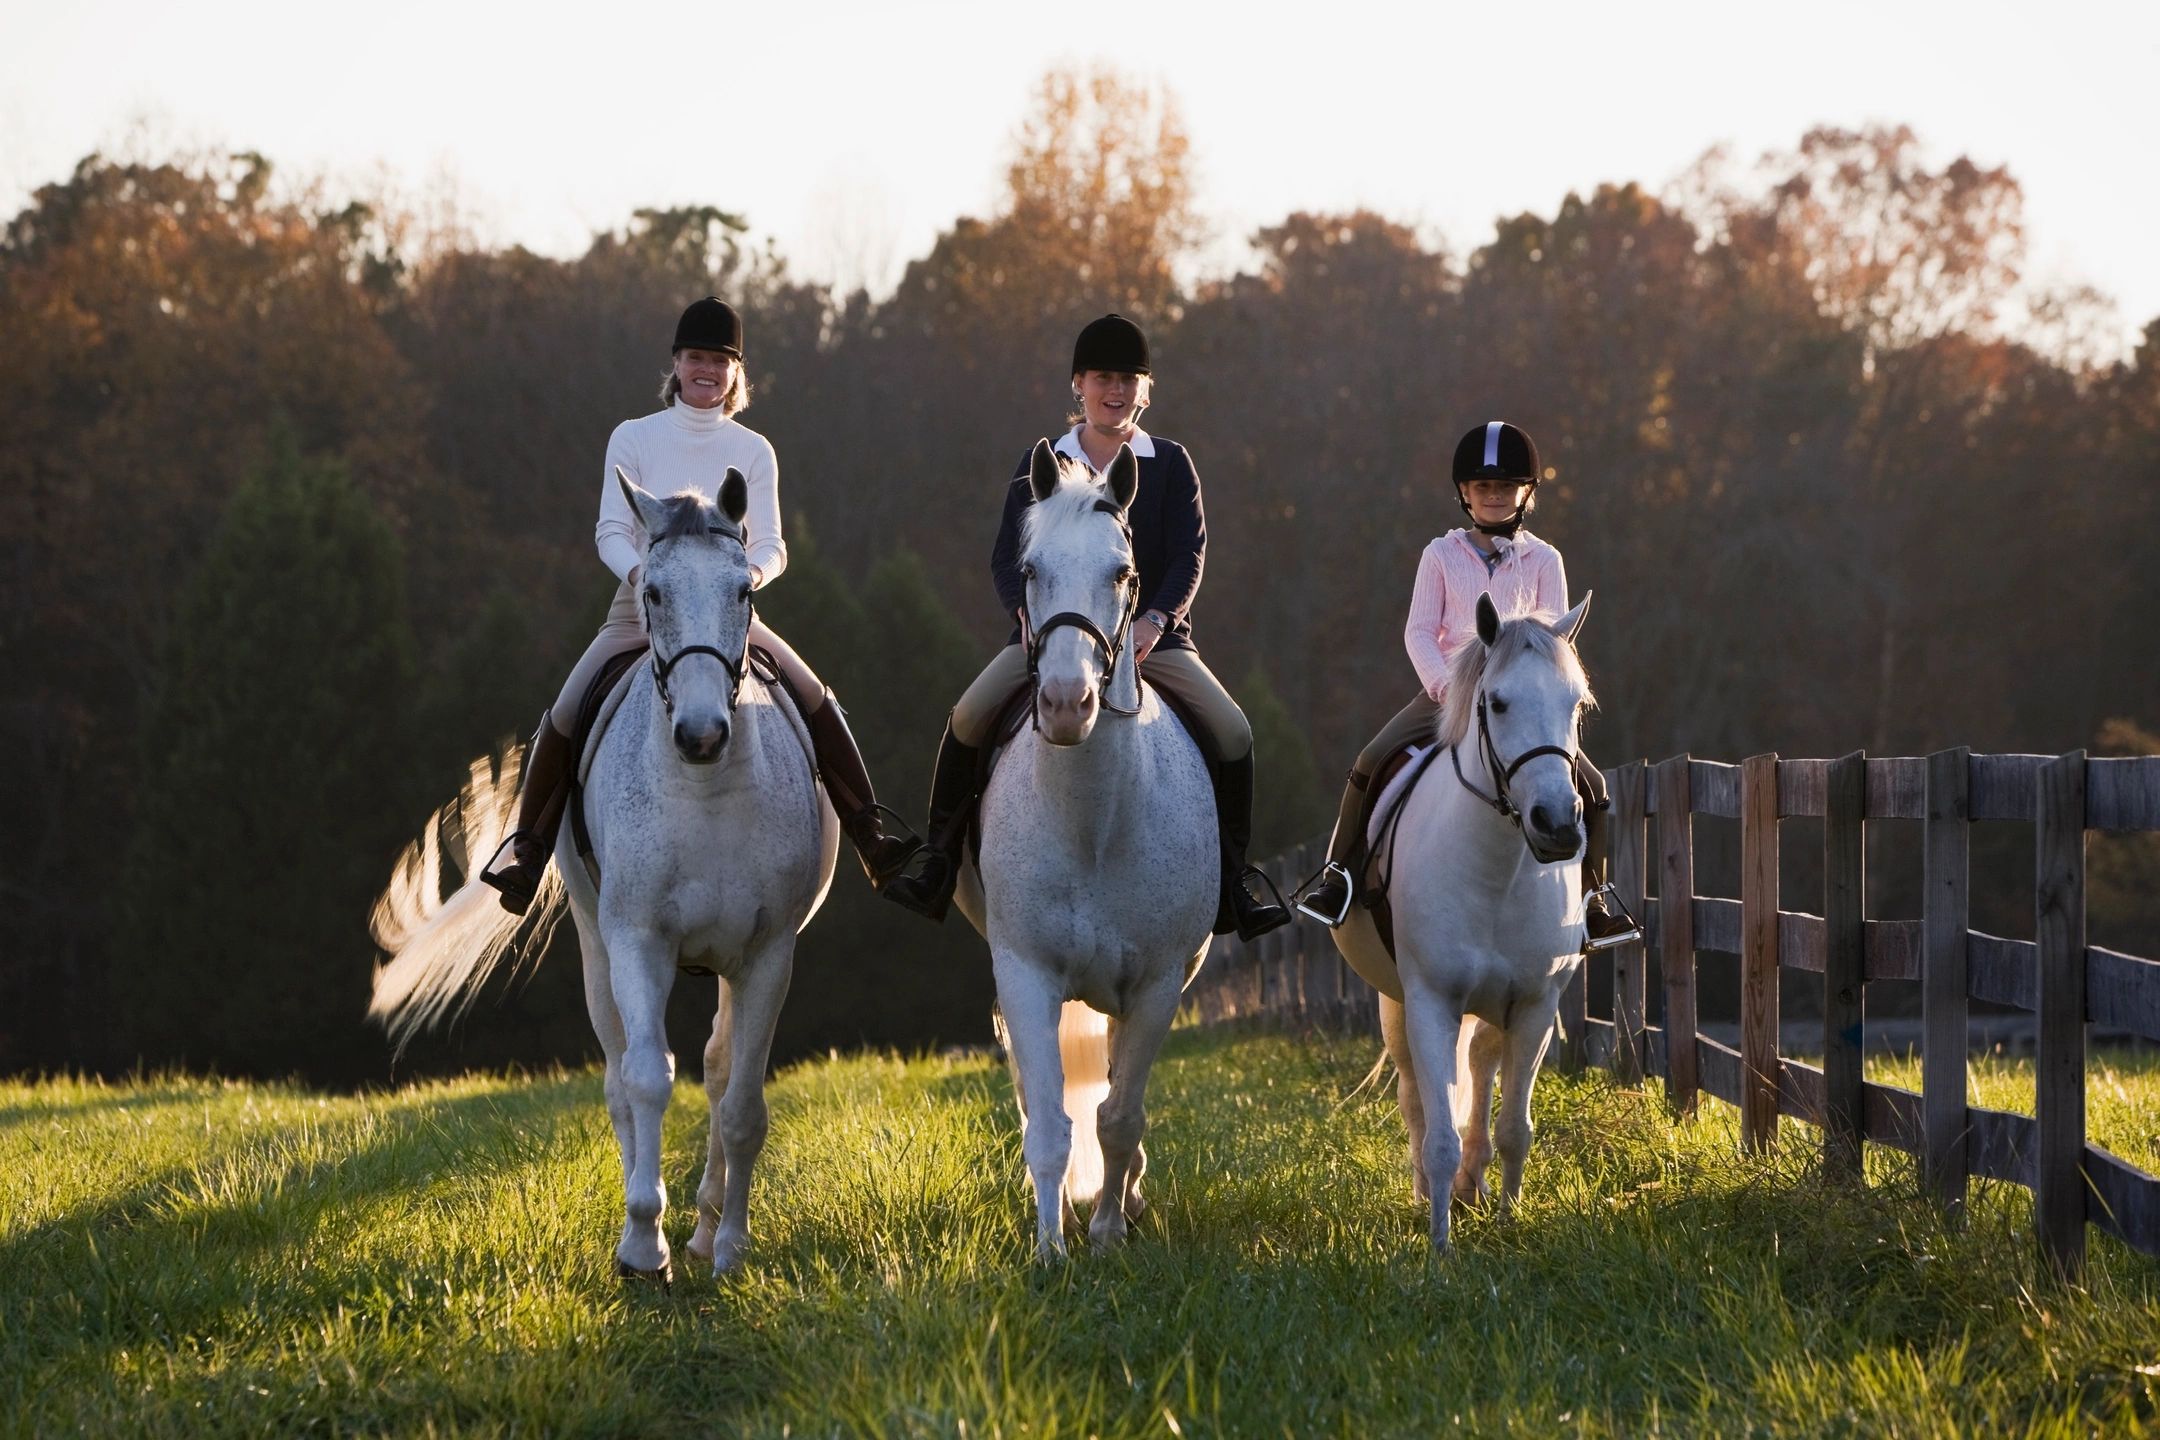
1333 867
1618 938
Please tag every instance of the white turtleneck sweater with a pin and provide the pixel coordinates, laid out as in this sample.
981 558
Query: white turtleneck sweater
685 448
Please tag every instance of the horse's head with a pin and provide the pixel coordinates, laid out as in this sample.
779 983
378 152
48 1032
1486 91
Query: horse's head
1520 703
694 591
1077 561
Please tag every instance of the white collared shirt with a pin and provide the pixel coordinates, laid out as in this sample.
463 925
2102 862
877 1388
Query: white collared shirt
1068 444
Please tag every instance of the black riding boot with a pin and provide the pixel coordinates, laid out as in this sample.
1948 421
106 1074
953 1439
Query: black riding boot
1240 909
847 784
925 884
1602 930
1326 897
542 792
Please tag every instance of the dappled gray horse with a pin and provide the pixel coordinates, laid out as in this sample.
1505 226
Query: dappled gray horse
715 847
1099 870
1486 888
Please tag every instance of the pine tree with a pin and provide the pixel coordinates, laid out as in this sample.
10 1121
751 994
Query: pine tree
275 782
1289 804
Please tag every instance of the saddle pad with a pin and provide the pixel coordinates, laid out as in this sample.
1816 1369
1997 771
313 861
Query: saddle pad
1366 937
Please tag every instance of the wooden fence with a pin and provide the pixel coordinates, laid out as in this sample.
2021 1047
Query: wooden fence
1295 975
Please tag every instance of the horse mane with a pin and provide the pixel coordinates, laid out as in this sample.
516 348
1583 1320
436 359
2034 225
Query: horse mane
1522 632
690 515
1076 495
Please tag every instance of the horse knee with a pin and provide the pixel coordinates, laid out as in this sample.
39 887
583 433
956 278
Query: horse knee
1120 1129
1512 1137
648 1080
1443 1151
743 1123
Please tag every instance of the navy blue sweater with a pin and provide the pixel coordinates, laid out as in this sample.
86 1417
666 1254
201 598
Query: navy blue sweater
1169 532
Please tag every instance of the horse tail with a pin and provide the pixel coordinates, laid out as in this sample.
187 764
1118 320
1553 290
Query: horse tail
443 948
1084 1049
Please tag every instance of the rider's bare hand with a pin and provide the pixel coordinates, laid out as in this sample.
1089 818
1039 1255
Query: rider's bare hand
1145 633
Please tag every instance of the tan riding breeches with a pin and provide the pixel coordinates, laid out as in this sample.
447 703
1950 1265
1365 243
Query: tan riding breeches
1180 672
624 629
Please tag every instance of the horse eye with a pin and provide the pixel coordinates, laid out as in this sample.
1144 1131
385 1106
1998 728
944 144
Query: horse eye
1027 573
1499 706
652 595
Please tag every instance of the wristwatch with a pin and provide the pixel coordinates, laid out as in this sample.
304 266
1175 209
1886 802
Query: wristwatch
1156 618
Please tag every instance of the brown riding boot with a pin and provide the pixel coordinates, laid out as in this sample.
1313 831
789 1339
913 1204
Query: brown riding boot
847 784
1326 896
543 789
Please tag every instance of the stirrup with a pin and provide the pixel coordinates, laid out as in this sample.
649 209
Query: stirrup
1255 901
1632 932
1336 868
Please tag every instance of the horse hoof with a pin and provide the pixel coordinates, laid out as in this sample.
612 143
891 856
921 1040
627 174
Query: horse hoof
630 1274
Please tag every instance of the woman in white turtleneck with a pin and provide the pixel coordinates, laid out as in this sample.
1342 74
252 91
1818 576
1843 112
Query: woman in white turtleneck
689 444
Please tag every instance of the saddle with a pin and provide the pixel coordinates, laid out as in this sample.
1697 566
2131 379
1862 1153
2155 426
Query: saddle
1372 892
604 697
1012 718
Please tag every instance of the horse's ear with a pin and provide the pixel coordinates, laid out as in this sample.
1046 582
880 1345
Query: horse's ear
1124 477
1488 621
642 501
734 495
1570 624
1042 470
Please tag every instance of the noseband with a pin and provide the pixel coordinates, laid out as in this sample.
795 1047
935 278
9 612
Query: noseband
1111 648
664 665
1501 802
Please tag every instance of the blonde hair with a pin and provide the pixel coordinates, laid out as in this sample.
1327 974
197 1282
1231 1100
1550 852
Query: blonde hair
733 403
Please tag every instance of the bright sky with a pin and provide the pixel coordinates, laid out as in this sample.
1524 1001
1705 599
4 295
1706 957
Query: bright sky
853 132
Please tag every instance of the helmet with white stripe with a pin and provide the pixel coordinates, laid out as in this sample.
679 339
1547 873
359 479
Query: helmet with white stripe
1497 450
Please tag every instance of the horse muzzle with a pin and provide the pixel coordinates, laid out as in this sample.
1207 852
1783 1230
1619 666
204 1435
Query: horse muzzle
701 744
1065 711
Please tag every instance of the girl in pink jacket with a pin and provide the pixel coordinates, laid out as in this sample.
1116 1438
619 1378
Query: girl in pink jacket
1496 476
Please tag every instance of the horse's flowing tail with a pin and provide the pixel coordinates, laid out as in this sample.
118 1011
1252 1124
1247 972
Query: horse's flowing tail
443 948
1084 1049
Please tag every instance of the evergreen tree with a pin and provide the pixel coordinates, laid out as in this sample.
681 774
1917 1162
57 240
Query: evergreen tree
275 778
1290 805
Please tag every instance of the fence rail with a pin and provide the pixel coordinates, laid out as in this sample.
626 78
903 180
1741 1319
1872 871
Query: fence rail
1296 976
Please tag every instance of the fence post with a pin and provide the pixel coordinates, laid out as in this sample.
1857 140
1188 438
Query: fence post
1759 1064
1630 960
2059 926
1945 925
1676 930
1844 961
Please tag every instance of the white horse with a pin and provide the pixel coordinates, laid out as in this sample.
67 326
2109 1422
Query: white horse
1486 871
1099 868
714 846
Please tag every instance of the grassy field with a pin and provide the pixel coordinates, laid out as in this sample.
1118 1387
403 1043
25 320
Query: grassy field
202 1259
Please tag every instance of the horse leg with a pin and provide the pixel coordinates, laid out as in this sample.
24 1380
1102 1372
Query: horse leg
1432 1026
1526 1042
713 1183
742 1120
1407 1099
1122 1118
1031 1007
608 1029
1485 1044
641 970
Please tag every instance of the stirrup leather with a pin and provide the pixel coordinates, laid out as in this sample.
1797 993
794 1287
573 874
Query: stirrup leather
1632 932
1335 868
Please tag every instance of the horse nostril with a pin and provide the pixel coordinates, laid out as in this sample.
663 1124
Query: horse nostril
1542 817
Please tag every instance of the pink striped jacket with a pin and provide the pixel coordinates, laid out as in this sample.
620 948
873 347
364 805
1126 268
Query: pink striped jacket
1451 575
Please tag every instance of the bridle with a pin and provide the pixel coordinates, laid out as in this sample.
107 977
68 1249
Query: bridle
664 665
1111 647
1501 802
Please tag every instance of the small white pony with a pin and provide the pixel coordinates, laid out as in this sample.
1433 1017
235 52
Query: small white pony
715 847
1486 888
1099 869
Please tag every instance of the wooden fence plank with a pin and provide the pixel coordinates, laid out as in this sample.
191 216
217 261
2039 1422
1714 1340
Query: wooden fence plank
2001 1146
1719 1069
1676 930
2124 1200
1800 1091
1844 960
2000 787
1630 961
1943 1011
2059 927
1717 924
1759 951
2123 794
1800 787
2002 972
1714 788
1892 1116
1897 788
2122 991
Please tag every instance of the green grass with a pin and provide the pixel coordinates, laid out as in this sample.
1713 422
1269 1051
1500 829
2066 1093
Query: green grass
188 1258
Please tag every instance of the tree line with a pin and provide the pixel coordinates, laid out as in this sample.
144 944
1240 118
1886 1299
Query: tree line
297 510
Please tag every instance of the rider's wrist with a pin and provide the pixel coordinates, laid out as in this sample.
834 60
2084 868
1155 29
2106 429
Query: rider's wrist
1156 618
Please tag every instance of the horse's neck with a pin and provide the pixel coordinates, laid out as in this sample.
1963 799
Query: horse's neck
1489 848
741 764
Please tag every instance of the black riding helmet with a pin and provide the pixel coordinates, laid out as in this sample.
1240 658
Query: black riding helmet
710 324
1497 450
